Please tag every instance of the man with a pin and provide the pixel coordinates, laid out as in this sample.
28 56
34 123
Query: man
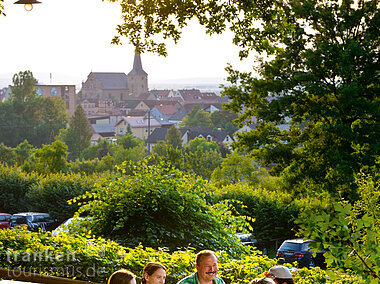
207 269
281 275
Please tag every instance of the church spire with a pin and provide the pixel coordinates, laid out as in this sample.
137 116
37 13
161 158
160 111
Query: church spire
137 66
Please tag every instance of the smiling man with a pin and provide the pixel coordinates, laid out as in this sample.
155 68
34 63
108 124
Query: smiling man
207 270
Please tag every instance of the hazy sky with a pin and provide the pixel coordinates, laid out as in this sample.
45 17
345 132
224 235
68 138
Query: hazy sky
72 38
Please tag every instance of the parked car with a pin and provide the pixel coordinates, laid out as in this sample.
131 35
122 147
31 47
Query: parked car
34 221
4 220
66 226
298 250
246 239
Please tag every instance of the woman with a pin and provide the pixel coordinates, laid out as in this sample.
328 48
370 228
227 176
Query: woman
122 277
264 280
154 273
281 275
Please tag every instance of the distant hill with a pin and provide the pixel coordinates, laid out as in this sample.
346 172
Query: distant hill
205 84
211 84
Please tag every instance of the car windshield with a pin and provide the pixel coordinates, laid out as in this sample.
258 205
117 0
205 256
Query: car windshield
18 220
291 246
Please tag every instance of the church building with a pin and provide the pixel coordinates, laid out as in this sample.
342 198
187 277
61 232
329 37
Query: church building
116 86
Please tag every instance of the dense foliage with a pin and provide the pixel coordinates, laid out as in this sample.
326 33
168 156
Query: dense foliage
350 232
157 206
95 259
317 67
14 185
197 117
223 119
238 168
273 212
78 135
29 116
51 194
23 192
50 159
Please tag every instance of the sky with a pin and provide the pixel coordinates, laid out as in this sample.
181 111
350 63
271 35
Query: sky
71 38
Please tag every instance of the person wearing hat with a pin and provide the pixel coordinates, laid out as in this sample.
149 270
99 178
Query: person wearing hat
281 275
264 280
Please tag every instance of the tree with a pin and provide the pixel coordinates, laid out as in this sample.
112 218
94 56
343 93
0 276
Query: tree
197 117
52 118
202 157
78 135
318 66
129 141
7 155
23 152
223 119
51 158
174 138
349 232
163 151
202 145
237 168
157 206
136 153
28 116
2 8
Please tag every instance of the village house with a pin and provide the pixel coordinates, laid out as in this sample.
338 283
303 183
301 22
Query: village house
188 134
138 124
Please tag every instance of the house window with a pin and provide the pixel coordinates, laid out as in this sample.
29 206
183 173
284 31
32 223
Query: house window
208 138
121 130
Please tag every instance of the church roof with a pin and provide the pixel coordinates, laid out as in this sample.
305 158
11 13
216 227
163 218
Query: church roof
137 66
110 80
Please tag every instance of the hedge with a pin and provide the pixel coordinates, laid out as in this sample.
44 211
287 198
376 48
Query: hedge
274 212
95 259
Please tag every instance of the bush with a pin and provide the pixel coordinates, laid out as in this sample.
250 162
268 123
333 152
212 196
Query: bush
51 193
349 232
157 206
85 167
21 192
95 259
62 255
14 185
274 212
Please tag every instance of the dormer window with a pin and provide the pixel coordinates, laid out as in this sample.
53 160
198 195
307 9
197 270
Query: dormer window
209 138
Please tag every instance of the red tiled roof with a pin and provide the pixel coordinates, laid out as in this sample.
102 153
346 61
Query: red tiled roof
166 109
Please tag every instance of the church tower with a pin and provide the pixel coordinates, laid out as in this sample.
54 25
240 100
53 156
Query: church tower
137 78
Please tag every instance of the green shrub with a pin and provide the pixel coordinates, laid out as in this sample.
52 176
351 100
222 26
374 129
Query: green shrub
62 255
7 155
274 212
157 206
51 193
84 167
14 185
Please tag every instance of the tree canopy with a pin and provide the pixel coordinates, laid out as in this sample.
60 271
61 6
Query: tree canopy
318 66
29 116
78 135
2 7
158 206
197 117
